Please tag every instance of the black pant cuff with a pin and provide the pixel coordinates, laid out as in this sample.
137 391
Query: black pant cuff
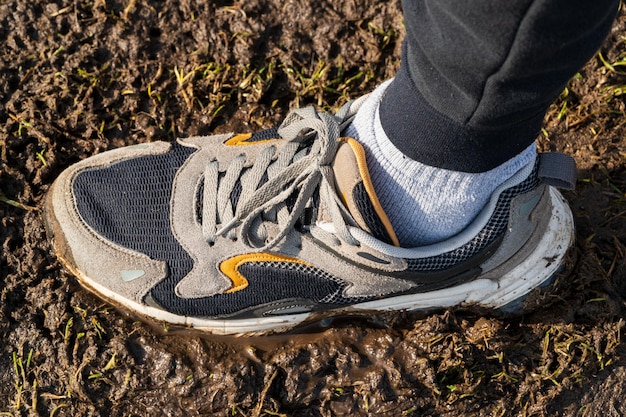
425 135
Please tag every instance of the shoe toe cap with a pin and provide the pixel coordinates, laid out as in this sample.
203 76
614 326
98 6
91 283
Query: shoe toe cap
107 267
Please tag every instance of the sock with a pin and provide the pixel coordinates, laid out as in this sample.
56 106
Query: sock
425 204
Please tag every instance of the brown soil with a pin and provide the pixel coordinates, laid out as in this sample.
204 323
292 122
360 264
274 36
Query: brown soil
80 77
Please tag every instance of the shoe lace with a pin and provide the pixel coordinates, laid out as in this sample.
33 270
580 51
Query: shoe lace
294 175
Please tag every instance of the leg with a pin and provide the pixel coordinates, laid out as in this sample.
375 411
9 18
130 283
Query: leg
478 76
469 99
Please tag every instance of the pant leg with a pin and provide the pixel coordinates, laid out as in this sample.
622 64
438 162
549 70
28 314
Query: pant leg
477 76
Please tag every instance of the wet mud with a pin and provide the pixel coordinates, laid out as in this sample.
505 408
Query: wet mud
80 77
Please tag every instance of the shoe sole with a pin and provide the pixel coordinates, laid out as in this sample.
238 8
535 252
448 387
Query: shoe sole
507 292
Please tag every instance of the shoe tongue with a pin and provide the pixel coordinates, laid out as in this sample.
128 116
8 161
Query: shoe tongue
355 188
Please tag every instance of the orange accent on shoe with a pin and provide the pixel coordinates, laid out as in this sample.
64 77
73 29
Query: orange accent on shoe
241 140
230 267
359 152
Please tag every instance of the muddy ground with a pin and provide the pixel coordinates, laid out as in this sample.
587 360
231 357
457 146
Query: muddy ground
80 77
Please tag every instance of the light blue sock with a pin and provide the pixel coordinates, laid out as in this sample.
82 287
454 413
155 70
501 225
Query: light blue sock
425 204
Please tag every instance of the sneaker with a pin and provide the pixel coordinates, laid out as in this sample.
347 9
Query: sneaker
261 233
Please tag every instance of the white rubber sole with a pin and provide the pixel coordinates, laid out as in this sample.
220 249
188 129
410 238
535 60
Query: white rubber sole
538 268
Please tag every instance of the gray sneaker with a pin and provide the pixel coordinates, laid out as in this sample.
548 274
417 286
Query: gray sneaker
265 232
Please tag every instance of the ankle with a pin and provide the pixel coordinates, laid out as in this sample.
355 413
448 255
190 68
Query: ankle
425 204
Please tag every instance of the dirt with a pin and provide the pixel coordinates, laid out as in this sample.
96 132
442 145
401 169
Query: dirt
80 77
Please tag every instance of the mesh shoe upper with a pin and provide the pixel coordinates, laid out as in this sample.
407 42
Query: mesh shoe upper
263 225
128 203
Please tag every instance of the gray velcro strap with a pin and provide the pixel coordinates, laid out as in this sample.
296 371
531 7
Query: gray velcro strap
557 169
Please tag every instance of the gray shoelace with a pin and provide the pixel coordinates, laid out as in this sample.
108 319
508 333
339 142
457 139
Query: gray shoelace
293 172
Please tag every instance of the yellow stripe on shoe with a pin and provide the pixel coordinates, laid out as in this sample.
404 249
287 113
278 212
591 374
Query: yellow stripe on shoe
230 267
242 140
350 168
